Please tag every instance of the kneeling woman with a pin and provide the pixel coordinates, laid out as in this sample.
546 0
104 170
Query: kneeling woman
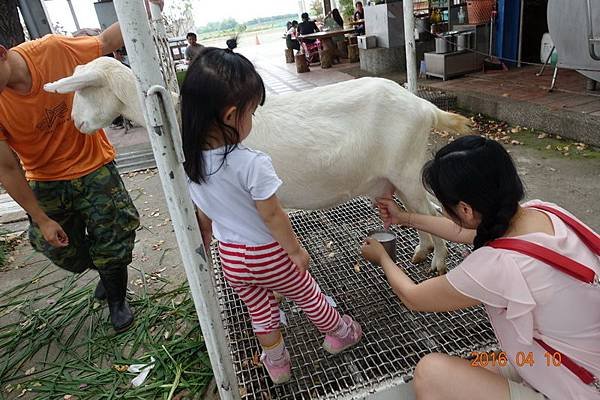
535 307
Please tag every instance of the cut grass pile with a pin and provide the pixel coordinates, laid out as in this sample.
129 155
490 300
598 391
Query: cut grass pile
56 342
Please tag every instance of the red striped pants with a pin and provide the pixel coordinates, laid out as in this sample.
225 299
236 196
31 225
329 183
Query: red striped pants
254 272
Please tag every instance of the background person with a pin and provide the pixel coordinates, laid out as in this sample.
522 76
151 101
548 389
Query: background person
193 48
291 37
309 46
359 15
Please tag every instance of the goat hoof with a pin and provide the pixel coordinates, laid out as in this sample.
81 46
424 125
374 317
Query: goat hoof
420 255
438 270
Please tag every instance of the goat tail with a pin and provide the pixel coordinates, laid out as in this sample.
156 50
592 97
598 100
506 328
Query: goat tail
451 122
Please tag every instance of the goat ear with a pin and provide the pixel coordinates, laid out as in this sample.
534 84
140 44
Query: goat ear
75 82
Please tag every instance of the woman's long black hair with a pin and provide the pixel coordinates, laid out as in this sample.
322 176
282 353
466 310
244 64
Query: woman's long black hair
216 79
481 173
335 13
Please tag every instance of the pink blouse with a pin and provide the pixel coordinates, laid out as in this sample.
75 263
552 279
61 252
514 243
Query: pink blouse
526 298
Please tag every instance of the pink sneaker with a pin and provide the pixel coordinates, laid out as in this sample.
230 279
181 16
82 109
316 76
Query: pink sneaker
279 372
334 344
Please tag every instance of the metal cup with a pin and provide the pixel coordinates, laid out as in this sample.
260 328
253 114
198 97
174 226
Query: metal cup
387 239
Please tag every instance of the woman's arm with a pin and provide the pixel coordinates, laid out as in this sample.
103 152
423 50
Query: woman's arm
433 295
439 226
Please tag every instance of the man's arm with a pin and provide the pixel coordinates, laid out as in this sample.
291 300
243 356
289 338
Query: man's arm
112 39
13 180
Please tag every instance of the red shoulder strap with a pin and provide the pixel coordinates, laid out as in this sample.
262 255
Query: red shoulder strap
586 376
551 257
591 239
566 265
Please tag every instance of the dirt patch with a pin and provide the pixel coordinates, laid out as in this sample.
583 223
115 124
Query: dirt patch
552 168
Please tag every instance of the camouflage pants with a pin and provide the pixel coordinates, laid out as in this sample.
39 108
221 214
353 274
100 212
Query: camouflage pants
98 216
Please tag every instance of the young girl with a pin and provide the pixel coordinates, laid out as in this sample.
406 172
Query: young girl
536 308
234 189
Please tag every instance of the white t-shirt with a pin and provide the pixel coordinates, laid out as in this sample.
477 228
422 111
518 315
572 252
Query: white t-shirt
228 195
292 32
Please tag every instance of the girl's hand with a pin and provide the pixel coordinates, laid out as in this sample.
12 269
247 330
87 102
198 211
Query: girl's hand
206 239
301 259
390 213
373 251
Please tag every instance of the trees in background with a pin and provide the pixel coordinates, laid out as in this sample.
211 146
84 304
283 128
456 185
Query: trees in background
316 8
232 26
179 18
347 8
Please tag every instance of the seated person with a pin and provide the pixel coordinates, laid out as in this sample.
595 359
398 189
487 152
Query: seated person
335 22
306 27
291 40
310 47
359 15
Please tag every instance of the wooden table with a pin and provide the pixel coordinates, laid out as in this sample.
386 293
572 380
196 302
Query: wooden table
359 22
326 37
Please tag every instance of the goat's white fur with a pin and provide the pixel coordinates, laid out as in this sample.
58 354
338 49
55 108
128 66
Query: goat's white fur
330 144
104 89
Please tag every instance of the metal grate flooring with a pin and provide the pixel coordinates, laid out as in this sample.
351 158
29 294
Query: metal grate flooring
442 100
394 337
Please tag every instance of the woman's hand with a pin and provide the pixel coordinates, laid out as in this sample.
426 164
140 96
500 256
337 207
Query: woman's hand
391 214
301 259
373 251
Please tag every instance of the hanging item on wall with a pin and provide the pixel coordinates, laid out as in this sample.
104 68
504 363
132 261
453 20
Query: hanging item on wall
480 11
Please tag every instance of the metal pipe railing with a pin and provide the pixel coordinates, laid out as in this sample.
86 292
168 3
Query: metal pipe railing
165 140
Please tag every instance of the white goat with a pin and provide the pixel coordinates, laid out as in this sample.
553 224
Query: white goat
361 137
104 89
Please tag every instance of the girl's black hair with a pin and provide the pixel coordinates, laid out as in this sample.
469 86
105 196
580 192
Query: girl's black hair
216 79
481 173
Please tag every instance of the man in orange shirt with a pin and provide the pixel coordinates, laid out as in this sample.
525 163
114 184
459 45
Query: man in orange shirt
80 212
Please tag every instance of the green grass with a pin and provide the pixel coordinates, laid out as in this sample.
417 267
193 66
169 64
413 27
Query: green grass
4 249
180 76
2 254
549 145
556 147
58 342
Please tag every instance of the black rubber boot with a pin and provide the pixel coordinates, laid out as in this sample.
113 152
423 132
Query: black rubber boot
115 284
100 292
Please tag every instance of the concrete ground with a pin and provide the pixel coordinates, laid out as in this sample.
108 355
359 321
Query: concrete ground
519 97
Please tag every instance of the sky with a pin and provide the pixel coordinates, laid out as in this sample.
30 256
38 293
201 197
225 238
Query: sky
205 11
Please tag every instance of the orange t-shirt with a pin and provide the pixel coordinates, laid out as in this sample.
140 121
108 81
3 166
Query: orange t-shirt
38 125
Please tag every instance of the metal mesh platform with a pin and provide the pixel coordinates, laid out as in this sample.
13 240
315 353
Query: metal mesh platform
441 99
394 337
